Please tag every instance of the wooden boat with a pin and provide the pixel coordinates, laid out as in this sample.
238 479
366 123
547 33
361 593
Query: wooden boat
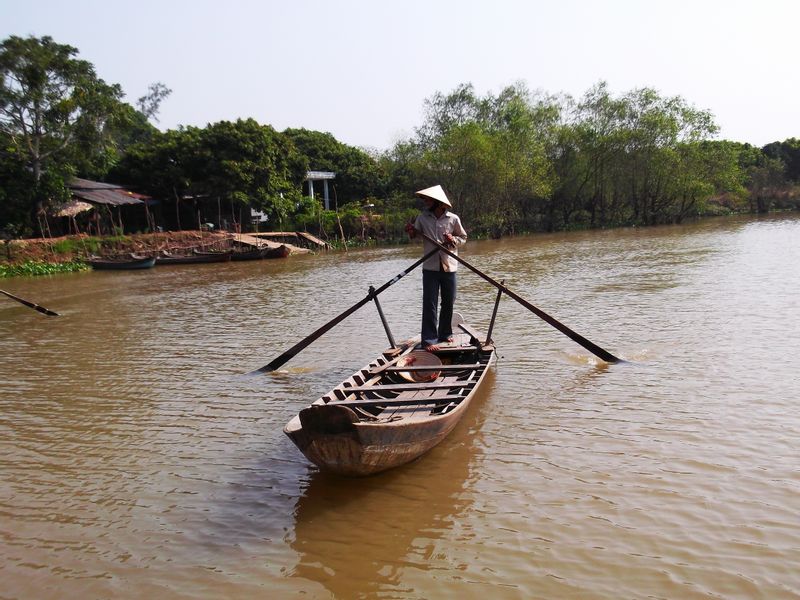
281 251
197 256
134 262
377 419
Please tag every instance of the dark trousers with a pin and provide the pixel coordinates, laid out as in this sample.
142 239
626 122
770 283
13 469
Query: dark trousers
434 282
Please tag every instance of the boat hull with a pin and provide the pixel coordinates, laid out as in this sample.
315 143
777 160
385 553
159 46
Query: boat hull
197 258
281 251
361 452
338 436
123 265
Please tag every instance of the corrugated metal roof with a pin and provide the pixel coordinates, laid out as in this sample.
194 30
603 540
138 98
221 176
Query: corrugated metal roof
104 193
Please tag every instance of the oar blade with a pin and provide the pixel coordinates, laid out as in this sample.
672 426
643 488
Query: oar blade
273 366
33 305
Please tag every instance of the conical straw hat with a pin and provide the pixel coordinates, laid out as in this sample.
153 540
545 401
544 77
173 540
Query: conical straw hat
435 193
419 358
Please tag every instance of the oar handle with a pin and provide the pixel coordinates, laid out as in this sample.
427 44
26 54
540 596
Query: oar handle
576 337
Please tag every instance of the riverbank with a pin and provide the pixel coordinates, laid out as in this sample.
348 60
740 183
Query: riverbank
47 256
76 248
42 256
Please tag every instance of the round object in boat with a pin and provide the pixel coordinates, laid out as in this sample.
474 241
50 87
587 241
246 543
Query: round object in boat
419 358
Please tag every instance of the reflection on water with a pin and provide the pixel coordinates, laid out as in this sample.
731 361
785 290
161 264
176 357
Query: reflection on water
358 536
136 459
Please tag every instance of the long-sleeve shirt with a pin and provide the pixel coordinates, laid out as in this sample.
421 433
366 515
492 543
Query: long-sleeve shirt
436 228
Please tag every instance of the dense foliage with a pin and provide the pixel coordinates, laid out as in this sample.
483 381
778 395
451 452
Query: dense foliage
523 161
512 162
241 164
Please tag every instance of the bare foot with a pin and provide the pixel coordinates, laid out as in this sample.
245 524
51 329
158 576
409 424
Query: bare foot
432 348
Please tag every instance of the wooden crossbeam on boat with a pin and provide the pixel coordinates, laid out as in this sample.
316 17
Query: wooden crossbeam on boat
474 335
406 387
456 349
434 399
443 368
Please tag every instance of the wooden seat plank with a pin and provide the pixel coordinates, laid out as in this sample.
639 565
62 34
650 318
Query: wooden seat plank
395 402
474 335
443 368
406 387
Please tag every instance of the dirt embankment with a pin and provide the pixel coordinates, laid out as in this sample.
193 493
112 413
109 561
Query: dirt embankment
74 247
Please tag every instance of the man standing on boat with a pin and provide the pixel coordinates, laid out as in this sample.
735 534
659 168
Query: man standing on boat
439 271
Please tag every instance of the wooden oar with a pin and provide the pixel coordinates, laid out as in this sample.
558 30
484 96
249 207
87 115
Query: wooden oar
576 337
33 305
294 350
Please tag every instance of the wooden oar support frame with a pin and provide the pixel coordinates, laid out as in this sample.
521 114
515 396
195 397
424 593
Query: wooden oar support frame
383 317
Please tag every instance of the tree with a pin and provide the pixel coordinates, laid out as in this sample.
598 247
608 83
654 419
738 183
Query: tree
250 164
788 152
239 164
52 107
150 103
163 166
488 152
358 175
764 181
444 112
15 184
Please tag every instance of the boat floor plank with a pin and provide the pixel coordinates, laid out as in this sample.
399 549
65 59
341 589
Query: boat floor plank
421 411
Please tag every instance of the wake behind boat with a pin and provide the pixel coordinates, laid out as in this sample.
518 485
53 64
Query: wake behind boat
394 409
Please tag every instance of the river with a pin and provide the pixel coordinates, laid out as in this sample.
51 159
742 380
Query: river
137 459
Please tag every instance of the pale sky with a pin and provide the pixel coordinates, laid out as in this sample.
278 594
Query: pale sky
361 70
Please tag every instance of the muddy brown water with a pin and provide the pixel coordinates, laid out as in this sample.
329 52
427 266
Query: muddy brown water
136 459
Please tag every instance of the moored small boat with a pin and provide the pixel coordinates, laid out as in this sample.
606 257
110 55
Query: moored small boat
281 251
125 264
392 411
197 256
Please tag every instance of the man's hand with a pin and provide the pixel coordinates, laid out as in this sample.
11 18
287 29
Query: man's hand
449 240
410 230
